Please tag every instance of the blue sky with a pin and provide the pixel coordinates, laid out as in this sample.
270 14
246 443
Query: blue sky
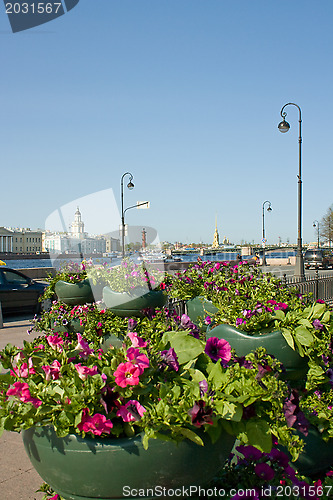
184 94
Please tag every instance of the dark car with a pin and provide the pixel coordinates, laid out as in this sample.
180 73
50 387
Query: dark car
18 292
318 258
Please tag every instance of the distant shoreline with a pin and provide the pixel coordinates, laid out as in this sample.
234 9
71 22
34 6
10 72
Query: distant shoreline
44 255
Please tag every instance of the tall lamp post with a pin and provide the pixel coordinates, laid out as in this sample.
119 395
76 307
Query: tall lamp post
269 209
130 185
316 224
284 127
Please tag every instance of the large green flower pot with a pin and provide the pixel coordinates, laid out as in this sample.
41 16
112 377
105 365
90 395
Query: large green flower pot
131 304
74 294
88 469
274 342
199 308
317 454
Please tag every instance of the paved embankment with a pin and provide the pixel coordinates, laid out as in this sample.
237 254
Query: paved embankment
18 479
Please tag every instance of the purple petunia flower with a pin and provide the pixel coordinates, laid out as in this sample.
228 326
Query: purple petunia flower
264 471
203 385
187 324
218 349
169 360
318 326
294 416
240 321
249 452
200 414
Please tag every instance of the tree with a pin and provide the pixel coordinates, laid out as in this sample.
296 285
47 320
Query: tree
326 226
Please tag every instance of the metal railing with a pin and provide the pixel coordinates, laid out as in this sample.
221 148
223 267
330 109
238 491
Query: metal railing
321 287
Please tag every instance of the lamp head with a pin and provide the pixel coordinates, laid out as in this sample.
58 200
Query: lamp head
130 185
284 126
269 209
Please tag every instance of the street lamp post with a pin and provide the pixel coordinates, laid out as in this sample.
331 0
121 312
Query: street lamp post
284 127
130 185
316 224
269 209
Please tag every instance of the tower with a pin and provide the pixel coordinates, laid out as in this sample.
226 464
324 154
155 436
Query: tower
216 241
144 241
77 227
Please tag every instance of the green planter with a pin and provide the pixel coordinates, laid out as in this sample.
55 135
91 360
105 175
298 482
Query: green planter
274 342
131 304
74 294
94 468
199 308
316 456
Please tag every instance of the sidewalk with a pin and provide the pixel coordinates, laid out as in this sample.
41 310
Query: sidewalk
18 479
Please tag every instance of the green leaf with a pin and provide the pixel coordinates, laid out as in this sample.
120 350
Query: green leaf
192 436
326 317
303 335
289 338
186 346
229 411
305 322
279 314
318 310
259 435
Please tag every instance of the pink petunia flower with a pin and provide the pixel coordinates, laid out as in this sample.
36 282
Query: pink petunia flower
84 371
22 392
24 370
52 371
138 359
132 411
96 424
55 342
218 349
127 374
83 346
136 341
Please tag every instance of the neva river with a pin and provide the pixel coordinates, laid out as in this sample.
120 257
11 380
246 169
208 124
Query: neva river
223 256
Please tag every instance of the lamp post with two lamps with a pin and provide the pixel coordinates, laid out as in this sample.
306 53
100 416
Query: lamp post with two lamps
316 224
269 209
284 127
145 204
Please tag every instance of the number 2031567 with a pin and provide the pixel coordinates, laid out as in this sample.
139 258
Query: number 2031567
32 7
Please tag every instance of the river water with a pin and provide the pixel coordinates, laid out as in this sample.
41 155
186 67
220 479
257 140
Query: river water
223 256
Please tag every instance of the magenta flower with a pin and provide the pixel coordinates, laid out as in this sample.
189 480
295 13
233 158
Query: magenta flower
138 359
201 415
218 349
207 320
127 374
240 321
85 371
264 471
24 370
55 342
136 341
22 392
132 411
249 452
318 326
169 360
96 424
52 371
281 306
83 346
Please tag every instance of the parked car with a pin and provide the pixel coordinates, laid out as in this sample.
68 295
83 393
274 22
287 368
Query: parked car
318 258
18 292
